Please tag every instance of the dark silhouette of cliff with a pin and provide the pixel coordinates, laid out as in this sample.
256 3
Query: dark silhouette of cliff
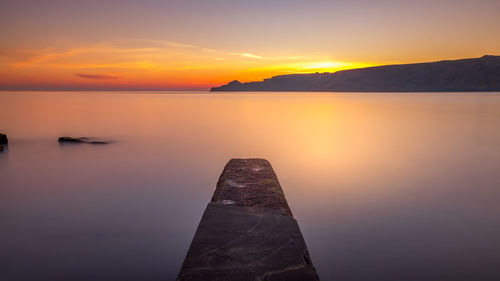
478 74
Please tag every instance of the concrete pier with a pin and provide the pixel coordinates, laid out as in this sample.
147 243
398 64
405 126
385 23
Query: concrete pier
247 232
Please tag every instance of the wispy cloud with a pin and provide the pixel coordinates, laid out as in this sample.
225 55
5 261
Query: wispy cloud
247 55
96 76
158 62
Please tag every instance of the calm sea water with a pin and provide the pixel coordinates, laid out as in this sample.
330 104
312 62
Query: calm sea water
384 186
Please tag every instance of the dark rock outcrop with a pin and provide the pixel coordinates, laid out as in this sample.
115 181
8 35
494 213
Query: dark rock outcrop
247 232
4 139
475 75
72 140
80 140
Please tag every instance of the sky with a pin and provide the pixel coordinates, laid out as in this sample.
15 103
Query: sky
194 44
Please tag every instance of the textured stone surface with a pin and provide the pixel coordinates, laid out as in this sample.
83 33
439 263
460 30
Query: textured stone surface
251 183
247 231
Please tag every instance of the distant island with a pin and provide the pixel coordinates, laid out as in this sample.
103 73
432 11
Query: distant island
465 75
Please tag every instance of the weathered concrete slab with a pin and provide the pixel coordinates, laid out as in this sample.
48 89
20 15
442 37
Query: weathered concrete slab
247 231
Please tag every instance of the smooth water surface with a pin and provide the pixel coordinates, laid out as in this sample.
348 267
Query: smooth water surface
399 186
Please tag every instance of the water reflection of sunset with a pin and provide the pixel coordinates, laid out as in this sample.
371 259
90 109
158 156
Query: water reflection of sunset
362 166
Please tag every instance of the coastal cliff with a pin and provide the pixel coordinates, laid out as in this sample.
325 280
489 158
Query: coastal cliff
465 75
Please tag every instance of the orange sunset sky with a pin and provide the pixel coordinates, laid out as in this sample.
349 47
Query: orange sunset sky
194 45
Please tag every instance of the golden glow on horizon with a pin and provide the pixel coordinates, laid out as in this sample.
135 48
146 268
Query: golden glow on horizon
152 64
319 66
196 44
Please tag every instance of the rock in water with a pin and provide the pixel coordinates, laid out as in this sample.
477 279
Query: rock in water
80 140
98 142
73 140
3 139
248 232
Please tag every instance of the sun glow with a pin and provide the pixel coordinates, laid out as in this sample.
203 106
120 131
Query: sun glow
299 66
330 66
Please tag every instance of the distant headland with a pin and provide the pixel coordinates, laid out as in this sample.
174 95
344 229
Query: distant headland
464 75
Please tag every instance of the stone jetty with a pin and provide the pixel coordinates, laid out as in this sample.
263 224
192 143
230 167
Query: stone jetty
247 232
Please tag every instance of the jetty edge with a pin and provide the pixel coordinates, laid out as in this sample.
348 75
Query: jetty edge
248 232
